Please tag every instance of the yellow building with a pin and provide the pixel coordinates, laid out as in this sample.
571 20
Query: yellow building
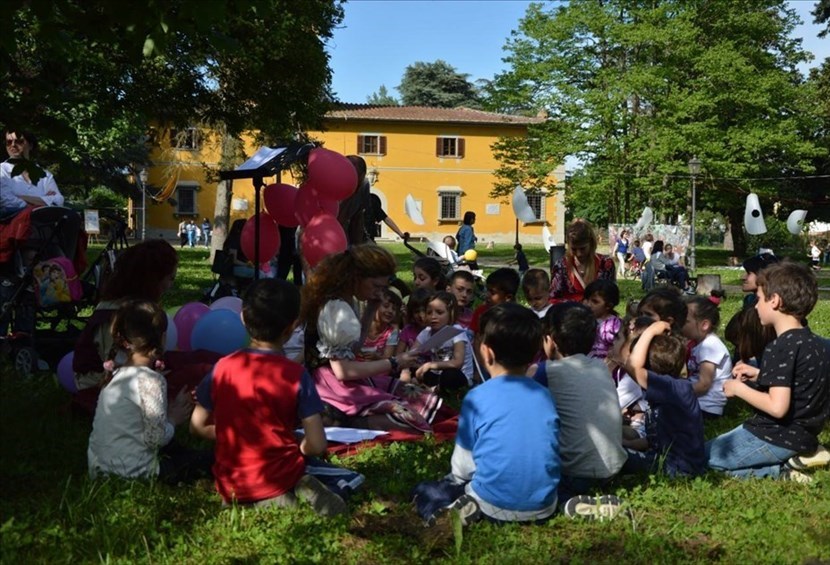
440 156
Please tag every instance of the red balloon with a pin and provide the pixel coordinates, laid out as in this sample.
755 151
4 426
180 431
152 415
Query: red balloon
269 238
322 236
332 175
279 203
308 204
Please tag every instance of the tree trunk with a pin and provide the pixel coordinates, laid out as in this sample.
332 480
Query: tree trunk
232 155
736 228
221 216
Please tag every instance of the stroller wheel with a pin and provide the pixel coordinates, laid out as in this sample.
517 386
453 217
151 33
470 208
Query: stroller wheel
25 361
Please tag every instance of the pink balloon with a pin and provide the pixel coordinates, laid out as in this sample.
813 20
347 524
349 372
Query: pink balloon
66 376
322 236
269 238
185 319
308 204
279 203
232 303
332 175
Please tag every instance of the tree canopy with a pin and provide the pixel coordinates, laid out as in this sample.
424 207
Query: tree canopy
437 84
634 89
382 97
89 76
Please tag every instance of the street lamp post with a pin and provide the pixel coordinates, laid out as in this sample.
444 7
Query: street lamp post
694 170
142 176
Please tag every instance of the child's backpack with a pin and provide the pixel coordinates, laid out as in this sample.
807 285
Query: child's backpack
56 281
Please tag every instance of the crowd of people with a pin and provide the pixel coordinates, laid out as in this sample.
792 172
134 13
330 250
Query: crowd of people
559 397
368 352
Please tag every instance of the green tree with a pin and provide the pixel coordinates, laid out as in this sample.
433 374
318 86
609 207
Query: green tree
437 84
634 89
821 15
382 97
89 76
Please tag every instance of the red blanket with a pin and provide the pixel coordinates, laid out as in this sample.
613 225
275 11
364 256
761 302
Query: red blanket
443 430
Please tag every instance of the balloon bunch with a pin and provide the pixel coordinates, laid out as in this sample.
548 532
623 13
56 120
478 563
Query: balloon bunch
313 206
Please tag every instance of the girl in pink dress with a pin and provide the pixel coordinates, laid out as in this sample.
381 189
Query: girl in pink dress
382 337
602 296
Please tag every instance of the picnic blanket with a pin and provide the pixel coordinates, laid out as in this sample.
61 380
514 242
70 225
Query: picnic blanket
444 428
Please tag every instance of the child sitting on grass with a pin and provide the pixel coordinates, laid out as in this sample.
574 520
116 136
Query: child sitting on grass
709 364
427 273
790 393
666 304
677 450
416 319
602 296
536 288
463 287
505 465
382 336
590 442
502 286
256 396
132 433
449 365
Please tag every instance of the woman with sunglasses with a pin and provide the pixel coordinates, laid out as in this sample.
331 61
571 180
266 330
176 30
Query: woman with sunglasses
34 185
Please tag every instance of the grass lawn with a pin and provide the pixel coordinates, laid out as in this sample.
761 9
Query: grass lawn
51 512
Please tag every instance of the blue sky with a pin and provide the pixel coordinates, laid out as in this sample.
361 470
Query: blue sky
380 38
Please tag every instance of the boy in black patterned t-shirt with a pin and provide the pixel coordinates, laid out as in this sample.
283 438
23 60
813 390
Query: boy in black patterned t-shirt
790 392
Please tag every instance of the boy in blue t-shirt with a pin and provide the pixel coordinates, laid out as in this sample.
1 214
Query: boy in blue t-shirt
677 442
507 447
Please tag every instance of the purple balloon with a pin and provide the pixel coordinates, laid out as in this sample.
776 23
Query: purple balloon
66 376
231 303
185 319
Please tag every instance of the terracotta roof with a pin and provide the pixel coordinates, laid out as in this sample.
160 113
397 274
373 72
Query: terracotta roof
425 114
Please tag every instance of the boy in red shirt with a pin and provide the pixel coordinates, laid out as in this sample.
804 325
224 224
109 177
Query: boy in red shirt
255 397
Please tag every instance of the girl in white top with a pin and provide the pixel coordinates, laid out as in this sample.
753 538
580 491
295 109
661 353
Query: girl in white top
132 419
449 365
710 364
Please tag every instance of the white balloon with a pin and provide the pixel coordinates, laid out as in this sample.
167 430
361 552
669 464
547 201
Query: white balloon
796 221
410 207
753 218
645 219
521 207
547 238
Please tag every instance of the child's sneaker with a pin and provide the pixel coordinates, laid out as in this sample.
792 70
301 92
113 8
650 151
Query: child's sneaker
819 458
790 474
467 509
322 500
601 508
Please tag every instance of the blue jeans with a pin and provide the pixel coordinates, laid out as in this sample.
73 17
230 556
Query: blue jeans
743 455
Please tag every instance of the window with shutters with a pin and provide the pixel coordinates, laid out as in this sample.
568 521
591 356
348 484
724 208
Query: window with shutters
449 204
449 147
371 144
186 199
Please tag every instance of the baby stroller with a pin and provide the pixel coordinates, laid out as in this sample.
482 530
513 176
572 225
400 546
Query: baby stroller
42 296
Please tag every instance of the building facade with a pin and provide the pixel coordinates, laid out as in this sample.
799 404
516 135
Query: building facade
442 157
